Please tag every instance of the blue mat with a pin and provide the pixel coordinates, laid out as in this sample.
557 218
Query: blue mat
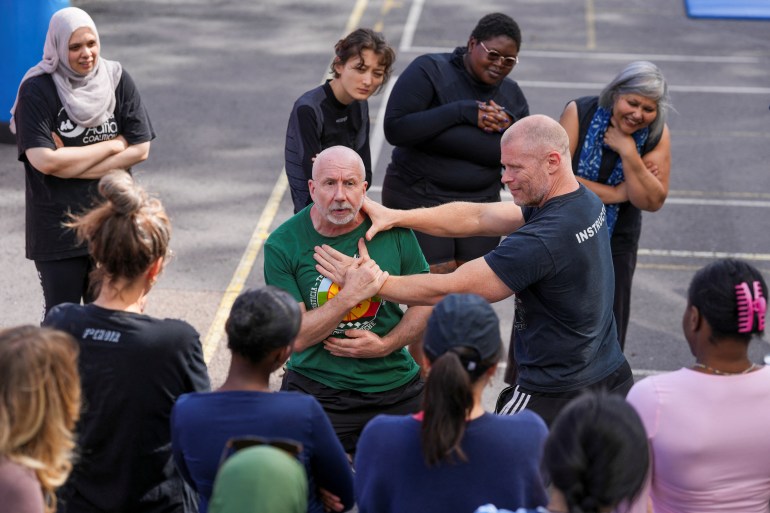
742 9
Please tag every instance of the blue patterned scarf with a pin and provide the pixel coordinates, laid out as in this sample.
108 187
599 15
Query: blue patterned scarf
591 157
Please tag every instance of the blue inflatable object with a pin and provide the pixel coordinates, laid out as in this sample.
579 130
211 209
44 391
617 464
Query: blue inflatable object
23 25
735 9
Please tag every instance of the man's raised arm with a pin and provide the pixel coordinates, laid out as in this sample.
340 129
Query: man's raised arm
456 219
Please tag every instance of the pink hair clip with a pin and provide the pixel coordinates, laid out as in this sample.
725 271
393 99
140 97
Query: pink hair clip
748 306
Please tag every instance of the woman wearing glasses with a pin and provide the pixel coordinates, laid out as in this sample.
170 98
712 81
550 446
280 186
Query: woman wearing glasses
445 118
621 150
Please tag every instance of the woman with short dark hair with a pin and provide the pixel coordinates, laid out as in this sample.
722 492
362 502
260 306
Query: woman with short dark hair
261 329
445 118
337 112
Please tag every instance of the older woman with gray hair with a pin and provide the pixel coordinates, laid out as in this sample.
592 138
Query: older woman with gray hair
621 150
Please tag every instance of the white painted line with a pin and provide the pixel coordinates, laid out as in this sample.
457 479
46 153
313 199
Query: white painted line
682 89
713 255
636 372
410 27
606 56
717 202
643 373
378 136
718 194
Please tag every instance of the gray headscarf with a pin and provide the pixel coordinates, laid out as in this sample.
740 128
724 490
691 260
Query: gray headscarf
88 99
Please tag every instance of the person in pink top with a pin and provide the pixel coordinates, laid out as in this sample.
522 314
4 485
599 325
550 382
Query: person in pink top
709 424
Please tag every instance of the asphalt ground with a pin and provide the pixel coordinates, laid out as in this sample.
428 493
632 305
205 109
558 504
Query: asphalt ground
220 76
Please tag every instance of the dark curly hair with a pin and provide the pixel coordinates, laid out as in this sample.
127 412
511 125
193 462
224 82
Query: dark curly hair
359 40
497 24
261 321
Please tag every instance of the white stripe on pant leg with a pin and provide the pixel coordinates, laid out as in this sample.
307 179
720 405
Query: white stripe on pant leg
518 402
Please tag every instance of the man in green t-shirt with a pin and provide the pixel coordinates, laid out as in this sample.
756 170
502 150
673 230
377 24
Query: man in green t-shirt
351 350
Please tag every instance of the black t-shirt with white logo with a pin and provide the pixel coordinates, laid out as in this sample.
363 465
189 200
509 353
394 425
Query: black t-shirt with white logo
49 199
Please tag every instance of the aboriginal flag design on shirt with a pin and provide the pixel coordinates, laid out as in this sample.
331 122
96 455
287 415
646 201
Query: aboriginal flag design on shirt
361 317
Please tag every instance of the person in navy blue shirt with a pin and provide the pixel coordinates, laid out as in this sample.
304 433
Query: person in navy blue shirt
453 455
261 329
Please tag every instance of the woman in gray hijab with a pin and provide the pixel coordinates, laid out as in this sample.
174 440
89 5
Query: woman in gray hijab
76 117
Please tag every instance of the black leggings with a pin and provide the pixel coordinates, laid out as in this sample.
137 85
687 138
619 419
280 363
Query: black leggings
64 281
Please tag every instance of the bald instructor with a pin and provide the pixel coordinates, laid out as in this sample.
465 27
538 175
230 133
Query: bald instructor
556 258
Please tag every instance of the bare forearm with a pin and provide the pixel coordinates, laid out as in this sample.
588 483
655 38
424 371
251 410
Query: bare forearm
463 219
644 189
410 329
125 159
428 289
607 193
319 323
71 161
416 289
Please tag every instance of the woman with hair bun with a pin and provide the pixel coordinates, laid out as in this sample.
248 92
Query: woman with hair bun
132 366
453 455
708 423
39 406
596 457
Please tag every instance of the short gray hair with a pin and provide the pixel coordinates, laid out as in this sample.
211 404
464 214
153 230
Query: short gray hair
645 79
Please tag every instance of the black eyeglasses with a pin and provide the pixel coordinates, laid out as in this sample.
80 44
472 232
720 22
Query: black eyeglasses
494 56
235 444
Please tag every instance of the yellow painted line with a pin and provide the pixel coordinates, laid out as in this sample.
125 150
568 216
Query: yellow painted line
590 25
238 281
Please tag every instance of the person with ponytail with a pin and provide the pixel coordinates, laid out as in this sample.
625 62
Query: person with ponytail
39 406
76 117
132 366
453 455
708 423
596 457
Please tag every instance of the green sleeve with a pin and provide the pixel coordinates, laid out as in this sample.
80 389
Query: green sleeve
412 259
278 270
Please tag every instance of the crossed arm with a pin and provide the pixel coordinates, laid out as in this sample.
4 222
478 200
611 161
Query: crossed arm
646 177
91 161
363 278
